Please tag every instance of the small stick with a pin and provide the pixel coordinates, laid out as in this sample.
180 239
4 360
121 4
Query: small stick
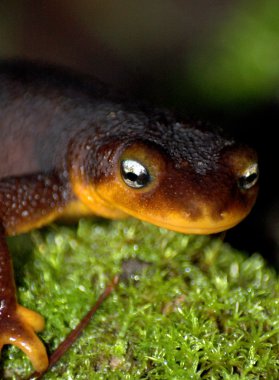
74 334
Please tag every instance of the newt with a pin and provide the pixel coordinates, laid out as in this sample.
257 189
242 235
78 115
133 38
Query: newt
70 148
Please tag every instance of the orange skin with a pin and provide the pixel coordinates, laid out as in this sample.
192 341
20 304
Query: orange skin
64 143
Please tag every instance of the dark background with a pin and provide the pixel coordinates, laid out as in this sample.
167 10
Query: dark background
214 60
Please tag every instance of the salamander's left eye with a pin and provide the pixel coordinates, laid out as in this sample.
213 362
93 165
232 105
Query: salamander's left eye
249 178
134 174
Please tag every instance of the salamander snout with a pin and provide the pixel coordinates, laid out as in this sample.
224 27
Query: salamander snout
197 186
183 195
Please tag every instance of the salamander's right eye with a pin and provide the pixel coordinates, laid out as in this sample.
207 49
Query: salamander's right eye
249 178
134 174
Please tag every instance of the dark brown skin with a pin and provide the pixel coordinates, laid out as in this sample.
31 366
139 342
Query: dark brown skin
69 148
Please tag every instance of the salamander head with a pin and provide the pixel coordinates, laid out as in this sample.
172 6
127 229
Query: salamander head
185 179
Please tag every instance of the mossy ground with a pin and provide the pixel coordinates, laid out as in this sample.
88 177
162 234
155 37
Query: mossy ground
186 307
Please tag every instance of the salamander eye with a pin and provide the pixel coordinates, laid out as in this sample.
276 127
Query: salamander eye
249 178
134 174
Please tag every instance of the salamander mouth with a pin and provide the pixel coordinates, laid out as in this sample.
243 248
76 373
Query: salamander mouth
205 222
204 226
198 230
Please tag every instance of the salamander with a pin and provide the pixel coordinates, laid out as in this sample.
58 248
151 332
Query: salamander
71 148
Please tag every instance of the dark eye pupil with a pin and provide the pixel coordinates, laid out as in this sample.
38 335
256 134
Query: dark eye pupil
131 176
134 174
246 182
138 180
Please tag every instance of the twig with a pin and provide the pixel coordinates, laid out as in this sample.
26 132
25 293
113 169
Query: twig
74 334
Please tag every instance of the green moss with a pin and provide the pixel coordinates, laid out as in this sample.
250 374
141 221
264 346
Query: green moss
190 307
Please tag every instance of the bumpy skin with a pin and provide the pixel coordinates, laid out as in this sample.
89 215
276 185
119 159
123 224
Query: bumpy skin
63 140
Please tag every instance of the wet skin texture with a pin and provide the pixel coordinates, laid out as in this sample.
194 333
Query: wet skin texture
70 148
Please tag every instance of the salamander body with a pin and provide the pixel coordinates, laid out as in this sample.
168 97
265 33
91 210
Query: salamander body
70 148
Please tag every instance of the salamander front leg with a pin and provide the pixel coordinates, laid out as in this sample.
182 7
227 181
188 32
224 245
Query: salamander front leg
18 324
